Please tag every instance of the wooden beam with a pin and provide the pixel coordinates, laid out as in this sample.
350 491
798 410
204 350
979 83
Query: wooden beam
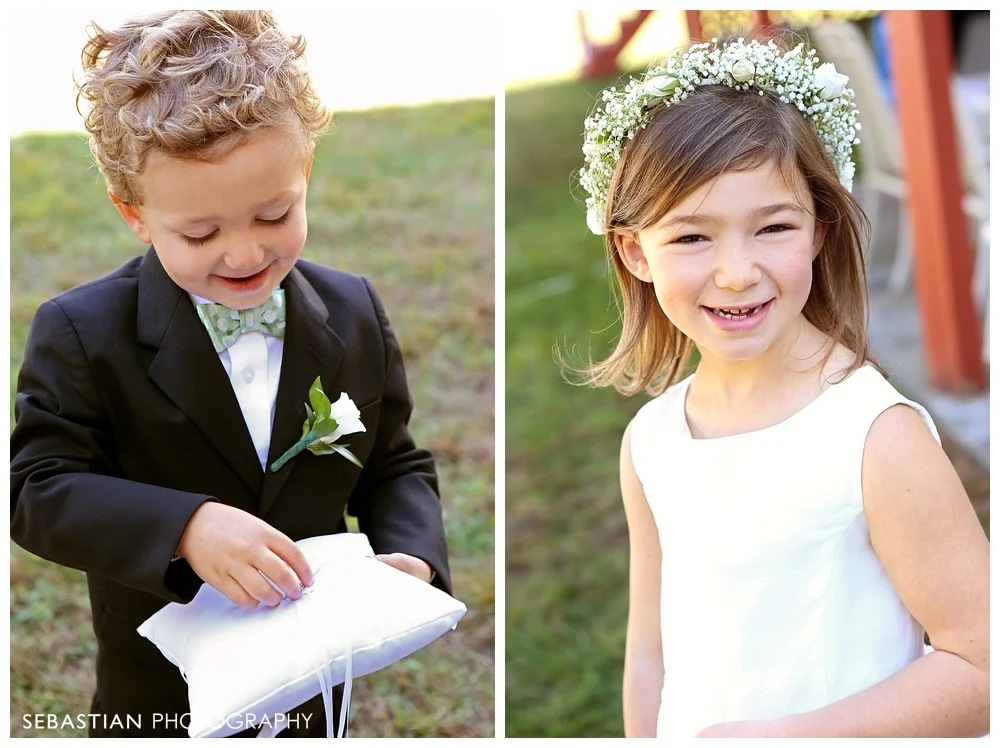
694 25
922 66
601 60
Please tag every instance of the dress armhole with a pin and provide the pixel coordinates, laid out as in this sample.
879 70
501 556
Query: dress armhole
880 407
634 428
882 395
639 440
872 396
921 411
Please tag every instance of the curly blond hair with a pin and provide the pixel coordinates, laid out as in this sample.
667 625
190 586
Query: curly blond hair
191 84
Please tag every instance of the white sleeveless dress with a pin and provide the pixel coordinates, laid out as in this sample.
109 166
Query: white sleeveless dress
773 601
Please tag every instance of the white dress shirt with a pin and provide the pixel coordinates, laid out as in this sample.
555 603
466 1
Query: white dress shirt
253 365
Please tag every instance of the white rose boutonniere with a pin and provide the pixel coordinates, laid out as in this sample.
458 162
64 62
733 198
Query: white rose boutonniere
830 81
325 423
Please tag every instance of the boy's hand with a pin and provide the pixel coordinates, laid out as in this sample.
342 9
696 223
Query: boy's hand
230 549
410 564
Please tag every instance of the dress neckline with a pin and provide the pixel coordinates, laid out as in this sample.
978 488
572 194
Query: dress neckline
794 417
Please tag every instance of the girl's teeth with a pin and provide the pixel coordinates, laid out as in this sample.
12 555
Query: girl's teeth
738 313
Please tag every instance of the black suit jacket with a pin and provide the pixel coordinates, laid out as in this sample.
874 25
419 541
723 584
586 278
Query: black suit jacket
127 423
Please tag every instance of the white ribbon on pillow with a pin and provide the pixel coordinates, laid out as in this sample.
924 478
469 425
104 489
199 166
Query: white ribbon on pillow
308 621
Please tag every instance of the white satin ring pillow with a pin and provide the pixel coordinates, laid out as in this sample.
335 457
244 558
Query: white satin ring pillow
244 667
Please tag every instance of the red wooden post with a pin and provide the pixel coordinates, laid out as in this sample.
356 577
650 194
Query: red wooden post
920 45
694 24
601 60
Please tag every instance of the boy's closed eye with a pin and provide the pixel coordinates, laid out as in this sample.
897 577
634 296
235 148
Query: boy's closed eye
196 241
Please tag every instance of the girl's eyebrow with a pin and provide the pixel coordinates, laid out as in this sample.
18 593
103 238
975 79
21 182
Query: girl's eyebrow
704 218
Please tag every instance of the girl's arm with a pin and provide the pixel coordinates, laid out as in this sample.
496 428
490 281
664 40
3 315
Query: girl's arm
930 543
643 677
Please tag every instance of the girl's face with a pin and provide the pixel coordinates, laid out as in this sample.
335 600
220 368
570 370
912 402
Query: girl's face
731 265
227 231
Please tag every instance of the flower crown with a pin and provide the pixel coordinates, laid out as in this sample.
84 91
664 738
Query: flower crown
797 78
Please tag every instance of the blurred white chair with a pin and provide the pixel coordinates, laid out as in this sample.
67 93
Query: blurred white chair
971 107
883 170
842 43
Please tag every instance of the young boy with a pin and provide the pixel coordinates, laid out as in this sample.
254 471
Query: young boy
145 437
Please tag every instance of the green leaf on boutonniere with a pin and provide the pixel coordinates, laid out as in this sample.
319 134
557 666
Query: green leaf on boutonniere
322 448
320 402
307 424
324 427
343 451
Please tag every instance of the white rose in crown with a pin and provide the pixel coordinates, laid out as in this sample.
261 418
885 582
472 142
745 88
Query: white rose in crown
832 82
743 71
595 222
659 86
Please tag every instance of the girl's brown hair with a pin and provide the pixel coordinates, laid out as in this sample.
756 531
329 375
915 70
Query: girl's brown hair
191 83
686 145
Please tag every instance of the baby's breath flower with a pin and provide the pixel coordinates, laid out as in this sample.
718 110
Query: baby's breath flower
818 91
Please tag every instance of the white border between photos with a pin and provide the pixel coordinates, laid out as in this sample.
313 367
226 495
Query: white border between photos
499 388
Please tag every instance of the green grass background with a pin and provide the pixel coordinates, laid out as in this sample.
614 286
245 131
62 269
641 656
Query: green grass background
566 537
403 196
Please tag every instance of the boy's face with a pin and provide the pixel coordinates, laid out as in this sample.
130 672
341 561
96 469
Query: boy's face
228 231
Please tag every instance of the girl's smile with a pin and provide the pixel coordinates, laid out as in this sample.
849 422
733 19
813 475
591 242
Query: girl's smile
738 318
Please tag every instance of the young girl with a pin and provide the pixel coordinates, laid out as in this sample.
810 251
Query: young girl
794 525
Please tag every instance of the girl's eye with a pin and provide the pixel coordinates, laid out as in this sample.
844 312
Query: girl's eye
689 239
200 240
777 228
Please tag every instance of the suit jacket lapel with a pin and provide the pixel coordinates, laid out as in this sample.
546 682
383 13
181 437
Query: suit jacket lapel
188 370
311 349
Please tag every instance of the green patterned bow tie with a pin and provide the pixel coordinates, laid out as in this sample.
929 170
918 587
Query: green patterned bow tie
225 325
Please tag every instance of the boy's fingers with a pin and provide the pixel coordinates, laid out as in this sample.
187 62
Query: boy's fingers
257 587
389 558
280 575
410 564
292 555
235 592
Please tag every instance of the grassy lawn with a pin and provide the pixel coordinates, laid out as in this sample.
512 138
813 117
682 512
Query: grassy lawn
403 196
567 541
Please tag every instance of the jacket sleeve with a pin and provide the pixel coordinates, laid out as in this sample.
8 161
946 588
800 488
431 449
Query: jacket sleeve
396 499
68 502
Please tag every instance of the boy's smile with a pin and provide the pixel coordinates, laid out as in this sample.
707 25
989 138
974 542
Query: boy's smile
228 231
731 264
